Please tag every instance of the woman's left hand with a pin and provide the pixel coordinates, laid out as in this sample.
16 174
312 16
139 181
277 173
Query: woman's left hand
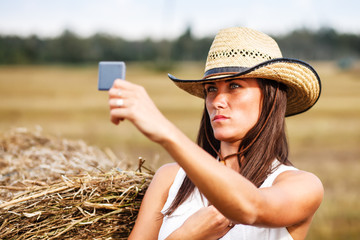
207 223
130 101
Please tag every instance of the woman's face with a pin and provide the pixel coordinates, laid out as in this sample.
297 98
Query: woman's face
233 106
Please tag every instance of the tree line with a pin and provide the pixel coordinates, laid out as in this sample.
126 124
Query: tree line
323 44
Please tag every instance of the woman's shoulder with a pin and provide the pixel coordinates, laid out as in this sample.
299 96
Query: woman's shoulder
168 170
165 175
305 183
296 175
292 175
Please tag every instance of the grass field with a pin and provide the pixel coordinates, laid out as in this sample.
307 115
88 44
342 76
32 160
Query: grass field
64 101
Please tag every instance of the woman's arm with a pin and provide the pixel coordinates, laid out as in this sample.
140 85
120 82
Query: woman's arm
293 198
150 218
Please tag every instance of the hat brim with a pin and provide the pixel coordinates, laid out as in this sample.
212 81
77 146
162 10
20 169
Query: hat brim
302 81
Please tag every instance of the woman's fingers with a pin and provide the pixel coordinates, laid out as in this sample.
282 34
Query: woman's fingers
117 95
115 120
131 102
206 223
118 110
117 103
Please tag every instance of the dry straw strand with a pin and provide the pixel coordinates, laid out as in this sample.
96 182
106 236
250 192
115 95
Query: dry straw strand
114 210
89 202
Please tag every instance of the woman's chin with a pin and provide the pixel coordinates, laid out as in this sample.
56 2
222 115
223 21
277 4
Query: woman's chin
226 138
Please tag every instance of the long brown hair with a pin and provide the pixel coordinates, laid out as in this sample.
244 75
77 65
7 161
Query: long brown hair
261 145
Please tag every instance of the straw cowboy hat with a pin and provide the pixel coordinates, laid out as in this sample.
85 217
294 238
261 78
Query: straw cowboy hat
245 53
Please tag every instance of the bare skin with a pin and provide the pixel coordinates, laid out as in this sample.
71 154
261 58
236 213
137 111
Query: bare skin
294 196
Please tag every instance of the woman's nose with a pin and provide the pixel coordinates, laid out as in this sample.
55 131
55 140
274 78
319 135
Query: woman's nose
219 101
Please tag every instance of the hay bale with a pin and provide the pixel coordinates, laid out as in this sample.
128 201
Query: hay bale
87 207
55 188
29 158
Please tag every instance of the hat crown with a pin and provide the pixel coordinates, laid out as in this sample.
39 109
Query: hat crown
241 47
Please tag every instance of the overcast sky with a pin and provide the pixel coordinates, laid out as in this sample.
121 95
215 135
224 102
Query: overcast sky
158 19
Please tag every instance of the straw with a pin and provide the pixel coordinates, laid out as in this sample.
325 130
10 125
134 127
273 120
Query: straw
29 158
54 188
103 206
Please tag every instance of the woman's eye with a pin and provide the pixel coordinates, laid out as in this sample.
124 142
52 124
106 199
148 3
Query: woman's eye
210 89
234 85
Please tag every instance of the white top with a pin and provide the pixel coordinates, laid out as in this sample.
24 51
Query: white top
197 201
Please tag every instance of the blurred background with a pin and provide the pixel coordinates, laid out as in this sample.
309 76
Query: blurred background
49 51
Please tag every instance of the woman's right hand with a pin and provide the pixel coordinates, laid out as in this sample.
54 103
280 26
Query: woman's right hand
129 101
207 223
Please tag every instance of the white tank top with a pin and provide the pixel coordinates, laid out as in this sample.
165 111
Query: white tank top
197 201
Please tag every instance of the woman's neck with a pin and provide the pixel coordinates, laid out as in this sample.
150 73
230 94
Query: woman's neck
227 149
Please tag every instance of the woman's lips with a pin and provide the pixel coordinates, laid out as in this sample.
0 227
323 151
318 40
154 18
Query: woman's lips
219 118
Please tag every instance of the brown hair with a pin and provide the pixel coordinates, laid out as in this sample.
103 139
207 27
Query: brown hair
261 145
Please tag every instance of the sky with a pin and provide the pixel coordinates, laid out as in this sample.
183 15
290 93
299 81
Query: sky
167 19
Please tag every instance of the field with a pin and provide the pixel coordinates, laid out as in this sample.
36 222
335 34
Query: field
64 102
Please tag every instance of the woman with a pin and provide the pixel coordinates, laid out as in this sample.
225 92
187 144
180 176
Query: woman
237 182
